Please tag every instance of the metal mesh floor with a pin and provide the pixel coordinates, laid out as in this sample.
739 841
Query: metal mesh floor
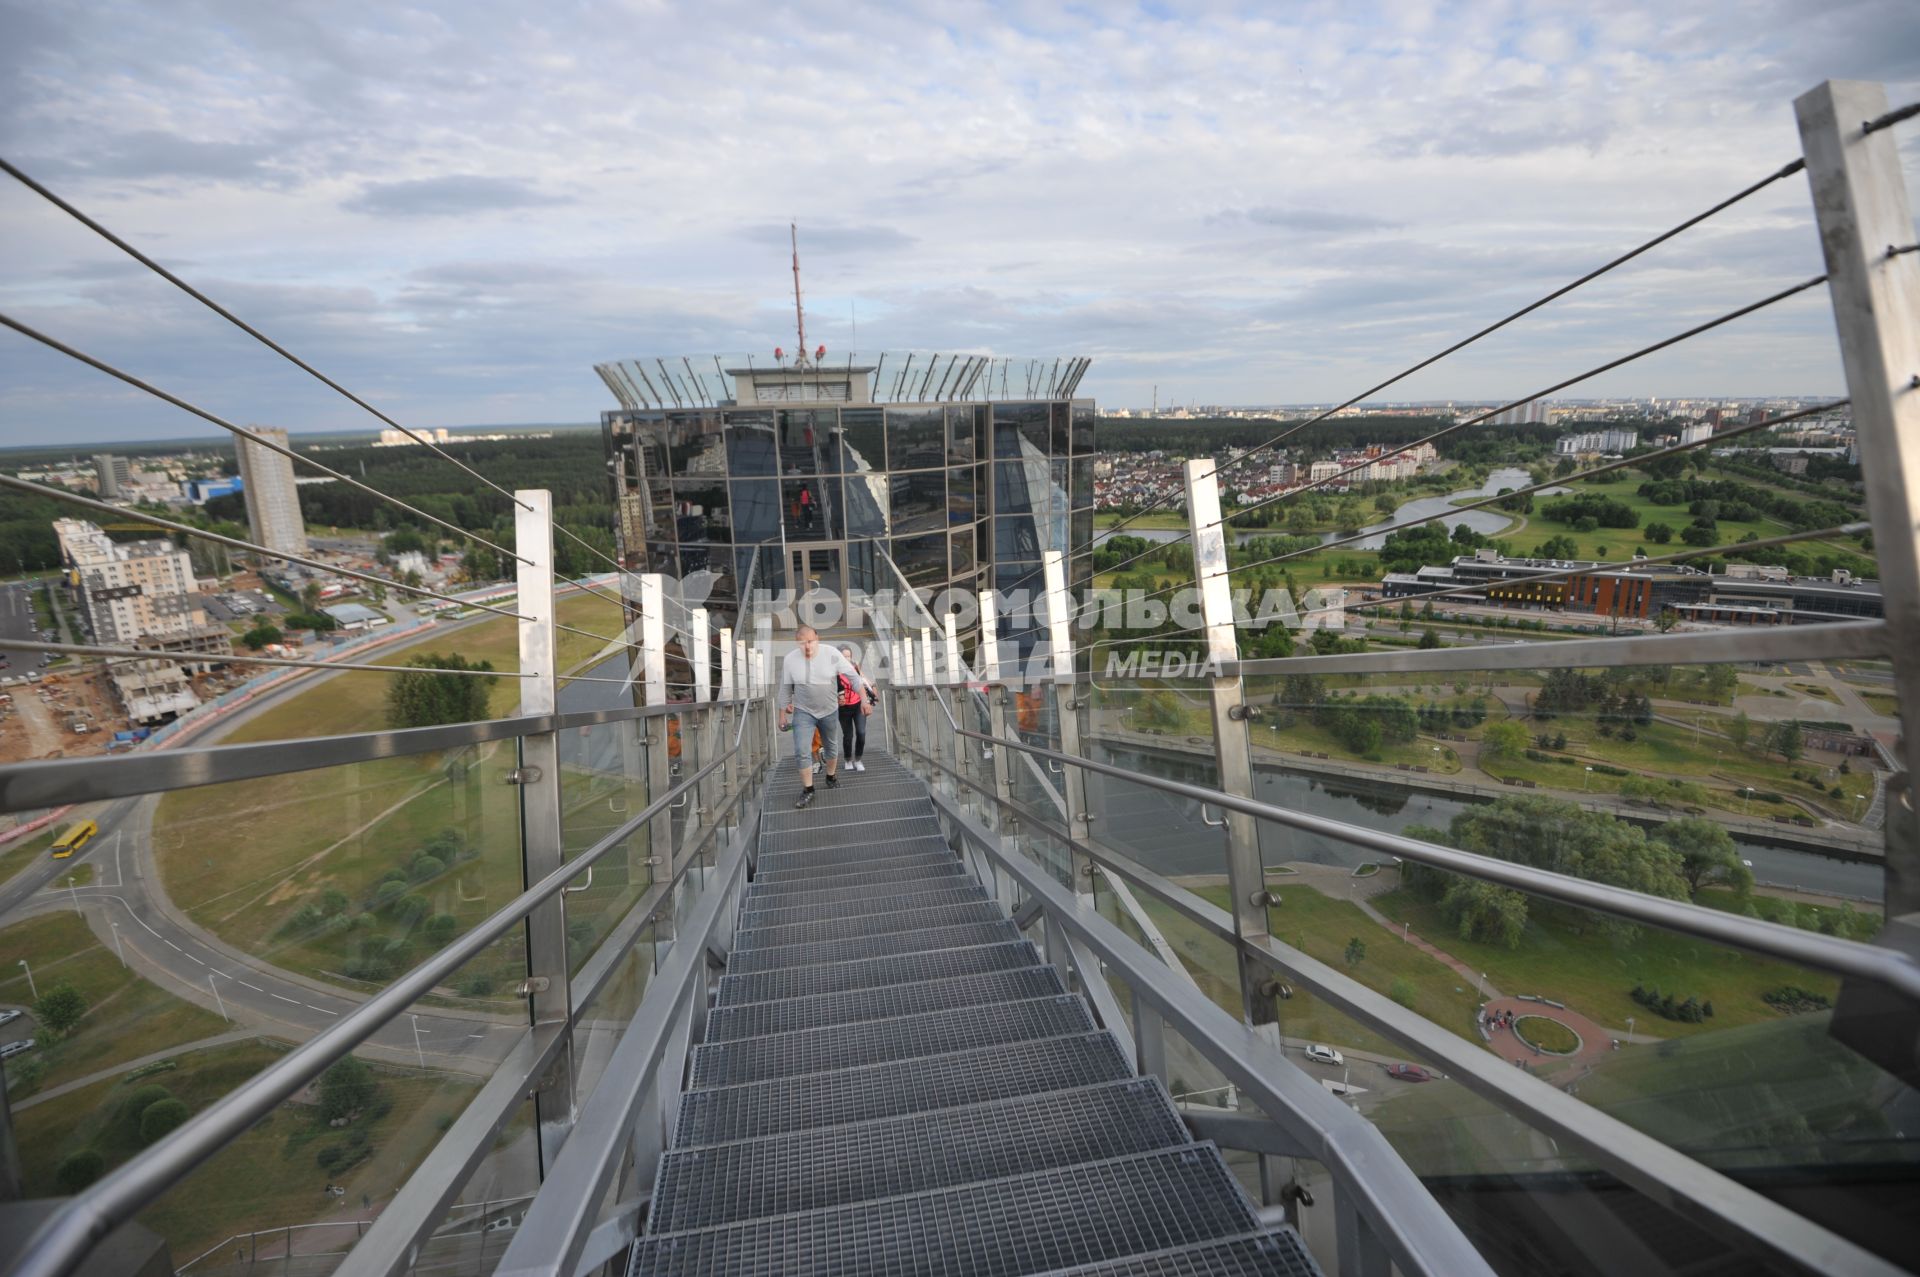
868 924
813 840
900 968
798 955
1025 1224
850 807
757 1019
811 1169
845 1046
1275 1254
907 854
781 912
901 1086
859 885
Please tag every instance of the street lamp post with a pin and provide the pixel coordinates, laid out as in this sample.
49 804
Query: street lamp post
217 999
1585 779
30 988
73 893
1629 1026
417 1052
118 951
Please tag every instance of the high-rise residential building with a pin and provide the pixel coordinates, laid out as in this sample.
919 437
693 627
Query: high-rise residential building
273 499
136 593
113 475
965 470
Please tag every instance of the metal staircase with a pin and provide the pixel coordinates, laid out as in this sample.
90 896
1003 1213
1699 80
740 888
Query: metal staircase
893 1081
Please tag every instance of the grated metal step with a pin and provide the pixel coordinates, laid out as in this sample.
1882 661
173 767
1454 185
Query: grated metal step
912 853
1025 1224
850 1006
808 1170
872 973
847 1046
747 961
848 808
723 1114
1279 1253
784 913
826 838
787 782
858 885
870 924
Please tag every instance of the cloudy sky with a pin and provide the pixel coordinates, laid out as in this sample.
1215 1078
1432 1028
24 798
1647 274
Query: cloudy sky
457 209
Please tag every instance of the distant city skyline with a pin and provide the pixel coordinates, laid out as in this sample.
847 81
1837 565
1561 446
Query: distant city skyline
457 210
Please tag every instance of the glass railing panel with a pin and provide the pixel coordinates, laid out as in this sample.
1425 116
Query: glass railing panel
474 1233
216 924
1766 782
603 778
607 1011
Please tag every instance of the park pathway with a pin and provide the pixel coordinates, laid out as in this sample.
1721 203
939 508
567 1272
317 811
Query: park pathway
128 1066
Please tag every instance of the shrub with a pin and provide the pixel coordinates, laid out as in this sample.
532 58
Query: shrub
412 907
425 867
333 901
345 1086
389 890
306 918
80 1169
330 1156
441 928
142 1099
474 985
60 1008
160 1118
1791 999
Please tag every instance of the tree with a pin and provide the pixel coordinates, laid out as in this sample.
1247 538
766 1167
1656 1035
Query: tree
310 596
1356 951
60 1008
1740 730
1429 640
1504 740
160 1118
80 1169
1667 619
433 696
1659 533
344 1088
263 633
1706 854
1785 740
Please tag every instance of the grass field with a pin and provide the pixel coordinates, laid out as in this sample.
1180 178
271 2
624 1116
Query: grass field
1321 926
1595 974
1882 703
126 1016
1620 543
266 1179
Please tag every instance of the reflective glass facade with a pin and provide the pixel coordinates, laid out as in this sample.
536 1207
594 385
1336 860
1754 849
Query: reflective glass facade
962 495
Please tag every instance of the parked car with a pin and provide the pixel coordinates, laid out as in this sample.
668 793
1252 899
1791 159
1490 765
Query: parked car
15 1048
10 1015
1409 1073
1325 1054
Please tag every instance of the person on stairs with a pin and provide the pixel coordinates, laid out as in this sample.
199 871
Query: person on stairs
856 702
809 695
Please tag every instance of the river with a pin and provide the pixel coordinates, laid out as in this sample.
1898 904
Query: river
1165 833
1489 522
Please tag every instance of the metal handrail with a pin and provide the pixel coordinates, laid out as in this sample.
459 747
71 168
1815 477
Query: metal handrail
1415 1230
60 1244
54 782
1638 1159
1886 967
1774 643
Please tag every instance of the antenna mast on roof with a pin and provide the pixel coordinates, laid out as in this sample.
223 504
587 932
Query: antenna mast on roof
799 315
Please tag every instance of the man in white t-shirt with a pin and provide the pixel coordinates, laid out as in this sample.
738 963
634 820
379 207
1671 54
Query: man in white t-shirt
809 695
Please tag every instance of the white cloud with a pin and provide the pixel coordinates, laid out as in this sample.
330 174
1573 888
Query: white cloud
462 207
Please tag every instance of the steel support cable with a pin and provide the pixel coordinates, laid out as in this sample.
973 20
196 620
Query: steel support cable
222 658
13 171
1644 351
1891 118
1624 463
1575 380
54 343
1768 543
1785 171
71 498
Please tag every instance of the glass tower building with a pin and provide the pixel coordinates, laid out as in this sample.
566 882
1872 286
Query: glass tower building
964 470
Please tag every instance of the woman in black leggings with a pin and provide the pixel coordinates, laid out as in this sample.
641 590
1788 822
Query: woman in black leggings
854 708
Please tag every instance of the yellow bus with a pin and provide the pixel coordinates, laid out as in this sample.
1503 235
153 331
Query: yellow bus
74 839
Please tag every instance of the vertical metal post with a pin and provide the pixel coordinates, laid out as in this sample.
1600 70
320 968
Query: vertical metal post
954 678
1246 878
1149 1039
705 727
653 691
1358 1247
542 845
1860 205
991 674
732 717
1066 713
